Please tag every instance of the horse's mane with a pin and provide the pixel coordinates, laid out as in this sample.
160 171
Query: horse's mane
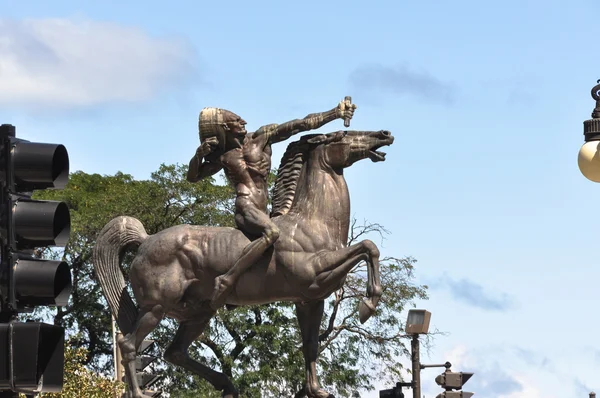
287 175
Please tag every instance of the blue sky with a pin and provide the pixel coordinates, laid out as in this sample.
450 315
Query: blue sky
486 101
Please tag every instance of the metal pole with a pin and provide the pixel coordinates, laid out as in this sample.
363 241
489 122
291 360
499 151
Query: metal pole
416 366
119 371
115 348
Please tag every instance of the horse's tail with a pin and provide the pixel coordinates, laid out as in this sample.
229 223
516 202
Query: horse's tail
120 234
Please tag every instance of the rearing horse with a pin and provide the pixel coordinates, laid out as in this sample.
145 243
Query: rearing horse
173 272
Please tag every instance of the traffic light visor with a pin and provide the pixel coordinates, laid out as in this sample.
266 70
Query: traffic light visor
39 166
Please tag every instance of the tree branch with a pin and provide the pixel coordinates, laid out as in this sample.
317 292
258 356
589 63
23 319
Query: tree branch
232 332
216 349
242 344
336 304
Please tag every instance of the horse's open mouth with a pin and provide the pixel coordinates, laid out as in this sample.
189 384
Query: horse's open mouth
376 156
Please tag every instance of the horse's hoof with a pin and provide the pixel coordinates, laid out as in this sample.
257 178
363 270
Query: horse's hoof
320 394
365 310
230 394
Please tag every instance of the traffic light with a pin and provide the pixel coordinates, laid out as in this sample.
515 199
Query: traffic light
28 224
37 357
395 392
31 349
142 360
453 381
455 394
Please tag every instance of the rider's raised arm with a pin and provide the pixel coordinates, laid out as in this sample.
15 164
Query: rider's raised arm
281 132
199 169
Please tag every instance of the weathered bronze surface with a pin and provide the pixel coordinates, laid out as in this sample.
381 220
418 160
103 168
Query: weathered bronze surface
177 271
246 160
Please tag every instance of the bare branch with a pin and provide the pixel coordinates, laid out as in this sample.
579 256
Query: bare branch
336 331
352 238
216 349
338 299
232 332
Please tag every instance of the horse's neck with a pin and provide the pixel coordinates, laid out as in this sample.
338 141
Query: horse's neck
322 197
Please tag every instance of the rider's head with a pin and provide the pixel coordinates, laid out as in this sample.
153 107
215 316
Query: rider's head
226 126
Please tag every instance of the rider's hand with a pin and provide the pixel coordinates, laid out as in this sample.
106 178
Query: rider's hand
345 110
207 146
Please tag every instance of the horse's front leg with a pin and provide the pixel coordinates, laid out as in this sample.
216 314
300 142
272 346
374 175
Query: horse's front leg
374 289
332 266
309 318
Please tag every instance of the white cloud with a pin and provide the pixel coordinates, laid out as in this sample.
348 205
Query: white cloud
459 357
74 63
528 389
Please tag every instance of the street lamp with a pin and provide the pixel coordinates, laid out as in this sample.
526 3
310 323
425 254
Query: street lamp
417 323
589 154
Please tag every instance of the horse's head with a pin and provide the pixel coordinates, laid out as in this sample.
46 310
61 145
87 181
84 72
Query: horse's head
343 148
333 151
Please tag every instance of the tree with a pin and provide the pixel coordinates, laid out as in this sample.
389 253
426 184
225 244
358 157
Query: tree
79 381
257 346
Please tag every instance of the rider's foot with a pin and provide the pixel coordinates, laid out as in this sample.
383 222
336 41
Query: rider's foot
222 289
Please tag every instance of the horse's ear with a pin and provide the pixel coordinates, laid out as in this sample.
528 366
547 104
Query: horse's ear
338 135
327 138
319 139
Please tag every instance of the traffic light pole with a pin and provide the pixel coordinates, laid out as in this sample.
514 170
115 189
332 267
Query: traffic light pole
416 366
5 315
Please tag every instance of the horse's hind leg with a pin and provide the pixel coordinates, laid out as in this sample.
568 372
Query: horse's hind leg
177 353
148 320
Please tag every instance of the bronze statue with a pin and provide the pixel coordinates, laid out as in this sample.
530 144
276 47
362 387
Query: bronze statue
246 160
174 271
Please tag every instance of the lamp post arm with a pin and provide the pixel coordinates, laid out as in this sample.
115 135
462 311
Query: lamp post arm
446 365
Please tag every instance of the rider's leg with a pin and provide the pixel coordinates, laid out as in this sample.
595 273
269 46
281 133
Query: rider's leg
255 222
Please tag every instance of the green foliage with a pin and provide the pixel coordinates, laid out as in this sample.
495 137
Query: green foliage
80 382
258 346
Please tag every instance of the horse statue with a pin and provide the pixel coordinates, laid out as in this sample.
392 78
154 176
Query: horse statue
173 271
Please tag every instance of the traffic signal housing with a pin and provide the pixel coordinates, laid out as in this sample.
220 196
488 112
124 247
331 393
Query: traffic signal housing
453 381
146 379
28 224
395 392
31 353
36 360
455 394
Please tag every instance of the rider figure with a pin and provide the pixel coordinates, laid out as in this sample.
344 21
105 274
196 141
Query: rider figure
246 160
